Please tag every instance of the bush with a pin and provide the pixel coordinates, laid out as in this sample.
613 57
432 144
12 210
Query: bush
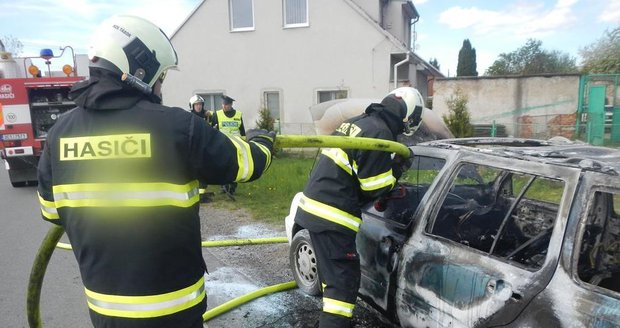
265 120
458 119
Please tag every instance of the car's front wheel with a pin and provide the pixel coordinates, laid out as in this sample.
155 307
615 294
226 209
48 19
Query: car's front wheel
303 263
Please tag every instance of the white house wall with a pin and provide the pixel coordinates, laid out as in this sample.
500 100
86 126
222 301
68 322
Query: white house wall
371 7
395 23
339 50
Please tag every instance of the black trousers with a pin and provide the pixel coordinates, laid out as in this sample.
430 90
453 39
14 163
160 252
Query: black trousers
339 269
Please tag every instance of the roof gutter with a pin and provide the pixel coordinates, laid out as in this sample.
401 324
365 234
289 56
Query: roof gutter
396 69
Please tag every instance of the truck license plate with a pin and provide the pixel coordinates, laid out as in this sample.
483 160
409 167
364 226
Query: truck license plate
14 136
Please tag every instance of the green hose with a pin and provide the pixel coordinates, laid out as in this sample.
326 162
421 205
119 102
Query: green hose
240 242
51 241
283 141
219 243
300 141
37 274
223 308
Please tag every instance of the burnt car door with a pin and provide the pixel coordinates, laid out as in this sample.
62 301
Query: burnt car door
487 245
585 289
386 225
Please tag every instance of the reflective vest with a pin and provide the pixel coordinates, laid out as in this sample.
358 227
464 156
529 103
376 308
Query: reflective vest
343 180
124 186
229 125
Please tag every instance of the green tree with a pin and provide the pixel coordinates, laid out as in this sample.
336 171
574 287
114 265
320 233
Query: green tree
458 118
602 56
532 59
434 63
12 45
467 60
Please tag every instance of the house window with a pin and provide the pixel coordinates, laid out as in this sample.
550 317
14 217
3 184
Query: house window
327 95
506 214
271 99
213 101
295 13
241 15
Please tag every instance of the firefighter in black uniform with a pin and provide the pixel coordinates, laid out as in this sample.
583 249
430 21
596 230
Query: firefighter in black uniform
120 174
339 184
196 107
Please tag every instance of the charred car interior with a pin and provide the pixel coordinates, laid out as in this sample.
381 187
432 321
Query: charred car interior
492 232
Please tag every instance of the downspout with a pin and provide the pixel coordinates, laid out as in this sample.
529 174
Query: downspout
396 69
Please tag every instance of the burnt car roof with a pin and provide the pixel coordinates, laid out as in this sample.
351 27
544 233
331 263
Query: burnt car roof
558 151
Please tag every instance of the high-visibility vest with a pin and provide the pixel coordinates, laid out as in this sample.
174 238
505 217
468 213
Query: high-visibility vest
229 125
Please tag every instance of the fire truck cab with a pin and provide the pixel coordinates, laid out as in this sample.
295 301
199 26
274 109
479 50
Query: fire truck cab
30 103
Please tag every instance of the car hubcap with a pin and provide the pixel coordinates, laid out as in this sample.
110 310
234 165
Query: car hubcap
306 264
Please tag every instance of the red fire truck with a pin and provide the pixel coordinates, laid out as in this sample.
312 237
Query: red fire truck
29 106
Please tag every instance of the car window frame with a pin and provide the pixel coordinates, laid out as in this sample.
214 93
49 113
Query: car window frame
593 182
568 175
407 227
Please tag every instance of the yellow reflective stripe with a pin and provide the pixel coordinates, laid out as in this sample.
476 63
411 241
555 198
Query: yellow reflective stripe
146 306
337 307
202 191
379 181
267 153
244 159
48 208
339 157
126 194
330 213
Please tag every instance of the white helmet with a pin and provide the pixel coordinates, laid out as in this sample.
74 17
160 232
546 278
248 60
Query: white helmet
129 44
194 100
414 104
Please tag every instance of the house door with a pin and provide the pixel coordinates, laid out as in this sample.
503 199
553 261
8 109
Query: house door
596 115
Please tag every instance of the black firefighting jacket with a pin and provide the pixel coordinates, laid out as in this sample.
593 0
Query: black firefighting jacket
343 180
120 174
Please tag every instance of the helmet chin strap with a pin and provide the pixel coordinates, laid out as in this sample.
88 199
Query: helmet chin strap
409 131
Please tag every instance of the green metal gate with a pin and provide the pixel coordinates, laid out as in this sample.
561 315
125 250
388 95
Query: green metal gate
598 111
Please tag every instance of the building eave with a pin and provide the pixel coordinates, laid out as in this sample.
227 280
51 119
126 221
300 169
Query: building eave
378 27
187 19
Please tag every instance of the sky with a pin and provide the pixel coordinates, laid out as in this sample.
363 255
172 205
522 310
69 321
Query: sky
493 27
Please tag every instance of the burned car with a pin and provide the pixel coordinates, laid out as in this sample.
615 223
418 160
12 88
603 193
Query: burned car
489 232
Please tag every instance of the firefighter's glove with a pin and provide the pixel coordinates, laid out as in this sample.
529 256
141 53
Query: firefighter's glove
401 164
262 136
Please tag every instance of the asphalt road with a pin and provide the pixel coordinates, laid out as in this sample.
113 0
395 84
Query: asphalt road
21 232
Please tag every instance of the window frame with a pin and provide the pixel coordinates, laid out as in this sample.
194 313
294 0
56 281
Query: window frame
209 96
428 226
579 239
295 25
444 162
265 102
317 92
232 22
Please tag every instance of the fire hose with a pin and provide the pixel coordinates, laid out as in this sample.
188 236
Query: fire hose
52 238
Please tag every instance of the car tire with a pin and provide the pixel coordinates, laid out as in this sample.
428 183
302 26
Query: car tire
303 263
